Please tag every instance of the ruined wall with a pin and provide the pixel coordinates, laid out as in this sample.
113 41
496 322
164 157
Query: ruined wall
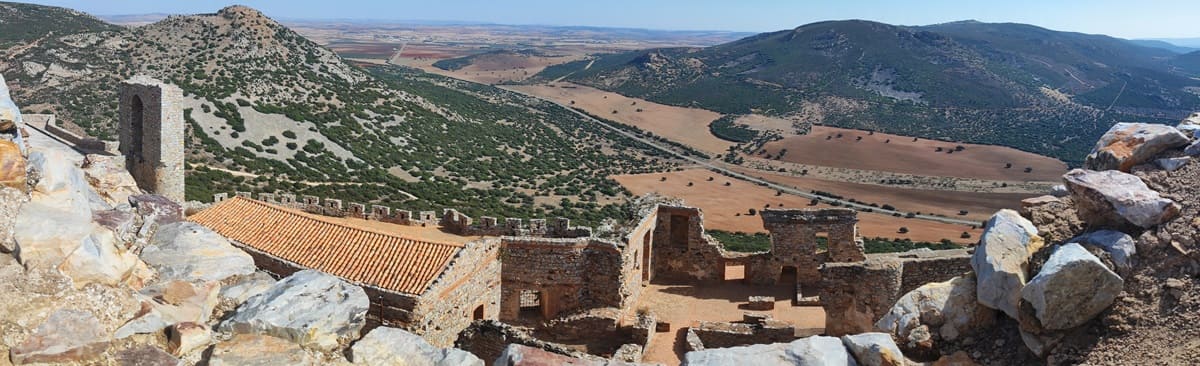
794 235
723 335
488 338
568 274
680 248
855 295
151 131
468 290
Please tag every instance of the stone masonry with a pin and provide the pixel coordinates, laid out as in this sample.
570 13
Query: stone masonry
151 125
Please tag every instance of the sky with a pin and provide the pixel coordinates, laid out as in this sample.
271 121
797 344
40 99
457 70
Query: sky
1120 18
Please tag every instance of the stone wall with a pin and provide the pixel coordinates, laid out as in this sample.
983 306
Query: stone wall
724 335
488 338
794 235
567 275
151 131
468 290
857 294
681 249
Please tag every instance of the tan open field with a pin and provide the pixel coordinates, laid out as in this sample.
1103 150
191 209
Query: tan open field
903 155
979 206
500 68
688 126
727 207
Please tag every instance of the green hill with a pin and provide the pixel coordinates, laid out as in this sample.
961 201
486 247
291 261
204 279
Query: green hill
263 100
1017 85
23 23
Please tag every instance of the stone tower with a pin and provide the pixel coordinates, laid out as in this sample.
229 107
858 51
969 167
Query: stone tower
152 135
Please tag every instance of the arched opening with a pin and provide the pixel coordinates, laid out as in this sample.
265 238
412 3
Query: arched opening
136 128
478 313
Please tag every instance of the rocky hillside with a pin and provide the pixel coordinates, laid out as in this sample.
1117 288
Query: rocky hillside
1009 84
262 101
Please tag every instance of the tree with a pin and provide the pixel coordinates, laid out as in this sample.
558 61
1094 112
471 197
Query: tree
753 212
965 235
1007 165
903 230
962 212
1029 169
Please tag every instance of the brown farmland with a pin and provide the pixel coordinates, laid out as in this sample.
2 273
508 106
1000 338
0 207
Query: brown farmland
903 155
688 126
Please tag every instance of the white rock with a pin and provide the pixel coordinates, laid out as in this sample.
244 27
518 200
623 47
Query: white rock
188 251
1172 164
874 349
107 174
246 287
948 308
259 350
1120 246
383 346
1059 191
314 309
1113 198
47 230
1072 287
100 259
1193 149
815 350
1001 260
68 335
1129 144
1190 125
169 303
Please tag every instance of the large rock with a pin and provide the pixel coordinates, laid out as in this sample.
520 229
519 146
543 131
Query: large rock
146 356
100 259
1115 199
1191 125
1193 149
11 200
162 209
383 346
948 308
190 252
1120 246
169 303
183 338
1002 259
58 176
1072 287
10 114
110 178
874 349
1129 144
66 336
520 355
1172 164
815 350
312 308
259 350
12 165
245 287
45 232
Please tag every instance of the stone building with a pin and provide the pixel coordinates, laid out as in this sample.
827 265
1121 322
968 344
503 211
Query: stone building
431 288
151 135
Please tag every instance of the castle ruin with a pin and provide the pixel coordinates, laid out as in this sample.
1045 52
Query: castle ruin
151 135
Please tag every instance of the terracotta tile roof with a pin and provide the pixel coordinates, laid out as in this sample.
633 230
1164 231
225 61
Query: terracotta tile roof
359 255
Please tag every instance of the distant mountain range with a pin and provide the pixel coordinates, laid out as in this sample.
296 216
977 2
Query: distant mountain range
1010 84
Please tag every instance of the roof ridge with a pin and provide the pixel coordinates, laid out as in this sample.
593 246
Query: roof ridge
330 222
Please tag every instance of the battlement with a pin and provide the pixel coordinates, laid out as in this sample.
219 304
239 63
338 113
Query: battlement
450 219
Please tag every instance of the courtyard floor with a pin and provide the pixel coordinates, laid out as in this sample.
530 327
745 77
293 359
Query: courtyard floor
681 303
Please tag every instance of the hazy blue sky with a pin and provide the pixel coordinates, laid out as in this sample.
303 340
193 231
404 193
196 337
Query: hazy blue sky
1122 18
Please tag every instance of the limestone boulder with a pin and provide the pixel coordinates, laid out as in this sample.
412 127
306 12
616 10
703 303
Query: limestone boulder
1172 164
245 287
12 165
100 259
1114 199
58 177
47 229
314 309
1129 144
121 222
519 355
1191 125
68 335
169 303
184 338
1072 288
107 174
191 252
815 350
947 308
146 356
1193 149
874 349
383 345
11 200
162 209
1120 246
259 350
1001 260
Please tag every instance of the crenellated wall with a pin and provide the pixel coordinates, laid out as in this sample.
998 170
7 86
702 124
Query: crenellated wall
450 220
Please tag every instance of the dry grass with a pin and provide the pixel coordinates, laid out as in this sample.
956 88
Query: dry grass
688 126
727 207
903 155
